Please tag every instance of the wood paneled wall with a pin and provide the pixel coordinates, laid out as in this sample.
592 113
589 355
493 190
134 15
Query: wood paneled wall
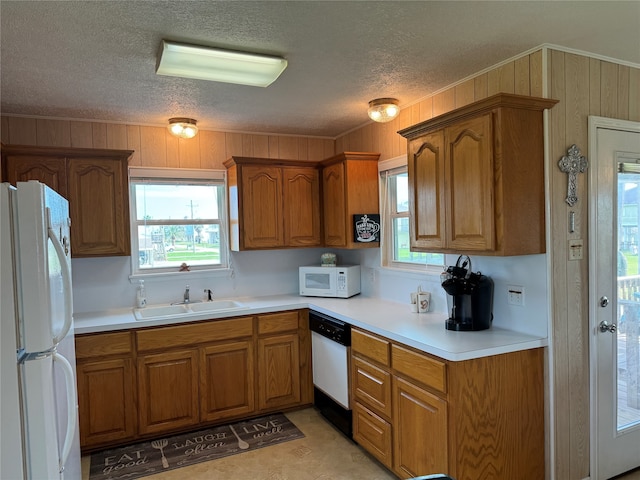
522 76
585 86
156 147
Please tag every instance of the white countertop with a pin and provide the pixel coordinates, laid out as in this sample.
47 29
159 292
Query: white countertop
426 332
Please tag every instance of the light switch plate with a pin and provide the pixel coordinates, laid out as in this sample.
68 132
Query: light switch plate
515 295
576 249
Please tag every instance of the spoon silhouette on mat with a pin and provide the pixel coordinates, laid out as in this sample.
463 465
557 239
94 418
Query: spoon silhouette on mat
241 443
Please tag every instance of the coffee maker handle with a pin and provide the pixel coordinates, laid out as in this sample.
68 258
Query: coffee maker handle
464 264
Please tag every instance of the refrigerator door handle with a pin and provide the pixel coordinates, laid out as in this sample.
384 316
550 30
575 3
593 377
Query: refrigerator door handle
72 414
66 279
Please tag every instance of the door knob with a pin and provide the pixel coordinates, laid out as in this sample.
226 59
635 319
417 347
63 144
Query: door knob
606 327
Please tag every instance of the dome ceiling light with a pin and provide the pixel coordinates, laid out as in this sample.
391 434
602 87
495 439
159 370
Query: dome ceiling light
383 109
183 127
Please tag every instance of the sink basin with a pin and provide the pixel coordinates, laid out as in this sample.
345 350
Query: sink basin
159 311
185 310
216 306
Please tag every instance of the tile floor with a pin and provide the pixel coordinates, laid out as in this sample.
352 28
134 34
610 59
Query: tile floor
324 454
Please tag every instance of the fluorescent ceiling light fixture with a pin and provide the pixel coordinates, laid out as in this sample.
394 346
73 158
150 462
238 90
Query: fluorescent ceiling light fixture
205 63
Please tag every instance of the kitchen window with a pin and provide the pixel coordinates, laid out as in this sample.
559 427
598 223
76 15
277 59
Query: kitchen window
395 219
178 220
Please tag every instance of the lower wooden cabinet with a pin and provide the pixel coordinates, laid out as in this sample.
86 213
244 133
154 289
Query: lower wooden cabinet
168 391
472 419
106 379
420 425
278 371
227 380
283 366
106 401
181 376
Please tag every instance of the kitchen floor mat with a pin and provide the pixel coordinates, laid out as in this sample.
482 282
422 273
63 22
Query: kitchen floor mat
168 453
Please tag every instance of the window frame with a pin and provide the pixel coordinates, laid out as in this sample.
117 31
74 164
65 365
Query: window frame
386 169
175 176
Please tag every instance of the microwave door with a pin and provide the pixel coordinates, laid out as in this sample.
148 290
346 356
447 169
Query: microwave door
318 281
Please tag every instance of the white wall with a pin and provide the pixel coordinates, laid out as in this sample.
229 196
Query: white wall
103 283
527 271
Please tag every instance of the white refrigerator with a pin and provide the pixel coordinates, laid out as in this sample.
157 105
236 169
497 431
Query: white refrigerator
39 431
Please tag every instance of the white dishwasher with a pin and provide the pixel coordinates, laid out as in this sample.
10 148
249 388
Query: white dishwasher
330 347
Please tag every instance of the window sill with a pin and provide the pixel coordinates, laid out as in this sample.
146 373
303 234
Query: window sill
434 271
171 276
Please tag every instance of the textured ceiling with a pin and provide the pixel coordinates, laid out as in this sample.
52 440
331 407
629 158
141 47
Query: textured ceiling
96 59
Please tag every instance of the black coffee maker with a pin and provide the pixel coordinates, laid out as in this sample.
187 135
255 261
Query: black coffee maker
469 297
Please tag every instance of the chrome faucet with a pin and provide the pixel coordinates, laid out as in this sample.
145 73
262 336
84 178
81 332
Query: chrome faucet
209 293
186 294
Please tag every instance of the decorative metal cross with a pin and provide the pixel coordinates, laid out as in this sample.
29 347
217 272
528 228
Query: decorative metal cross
572 164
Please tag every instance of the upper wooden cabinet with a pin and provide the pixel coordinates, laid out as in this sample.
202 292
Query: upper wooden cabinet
277 203
476 178
273 203
349 187
94 181
301 212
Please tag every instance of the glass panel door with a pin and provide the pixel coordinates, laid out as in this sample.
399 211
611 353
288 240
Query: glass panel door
614 295
628 323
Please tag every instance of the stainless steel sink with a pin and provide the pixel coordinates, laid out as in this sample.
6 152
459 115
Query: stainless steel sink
188 310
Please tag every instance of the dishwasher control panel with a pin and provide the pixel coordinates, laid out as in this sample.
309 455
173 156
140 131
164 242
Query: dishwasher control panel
331 328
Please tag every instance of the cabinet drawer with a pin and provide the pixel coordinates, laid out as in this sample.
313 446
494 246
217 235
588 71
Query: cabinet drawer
373 433
91 346
372 386
419 367
182 335
370 346
277 322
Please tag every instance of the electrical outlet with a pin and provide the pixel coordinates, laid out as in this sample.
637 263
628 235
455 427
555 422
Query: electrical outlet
515 295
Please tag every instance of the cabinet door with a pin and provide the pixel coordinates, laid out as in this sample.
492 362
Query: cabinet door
106 405
420 431
301 188
262 207
335 205
168 391
226 380
52 171
99 205
278 371
469 177
426 192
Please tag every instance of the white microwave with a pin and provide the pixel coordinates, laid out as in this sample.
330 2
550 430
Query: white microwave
337 282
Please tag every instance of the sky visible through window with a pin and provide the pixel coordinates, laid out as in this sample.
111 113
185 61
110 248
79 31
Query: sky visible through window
156 202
